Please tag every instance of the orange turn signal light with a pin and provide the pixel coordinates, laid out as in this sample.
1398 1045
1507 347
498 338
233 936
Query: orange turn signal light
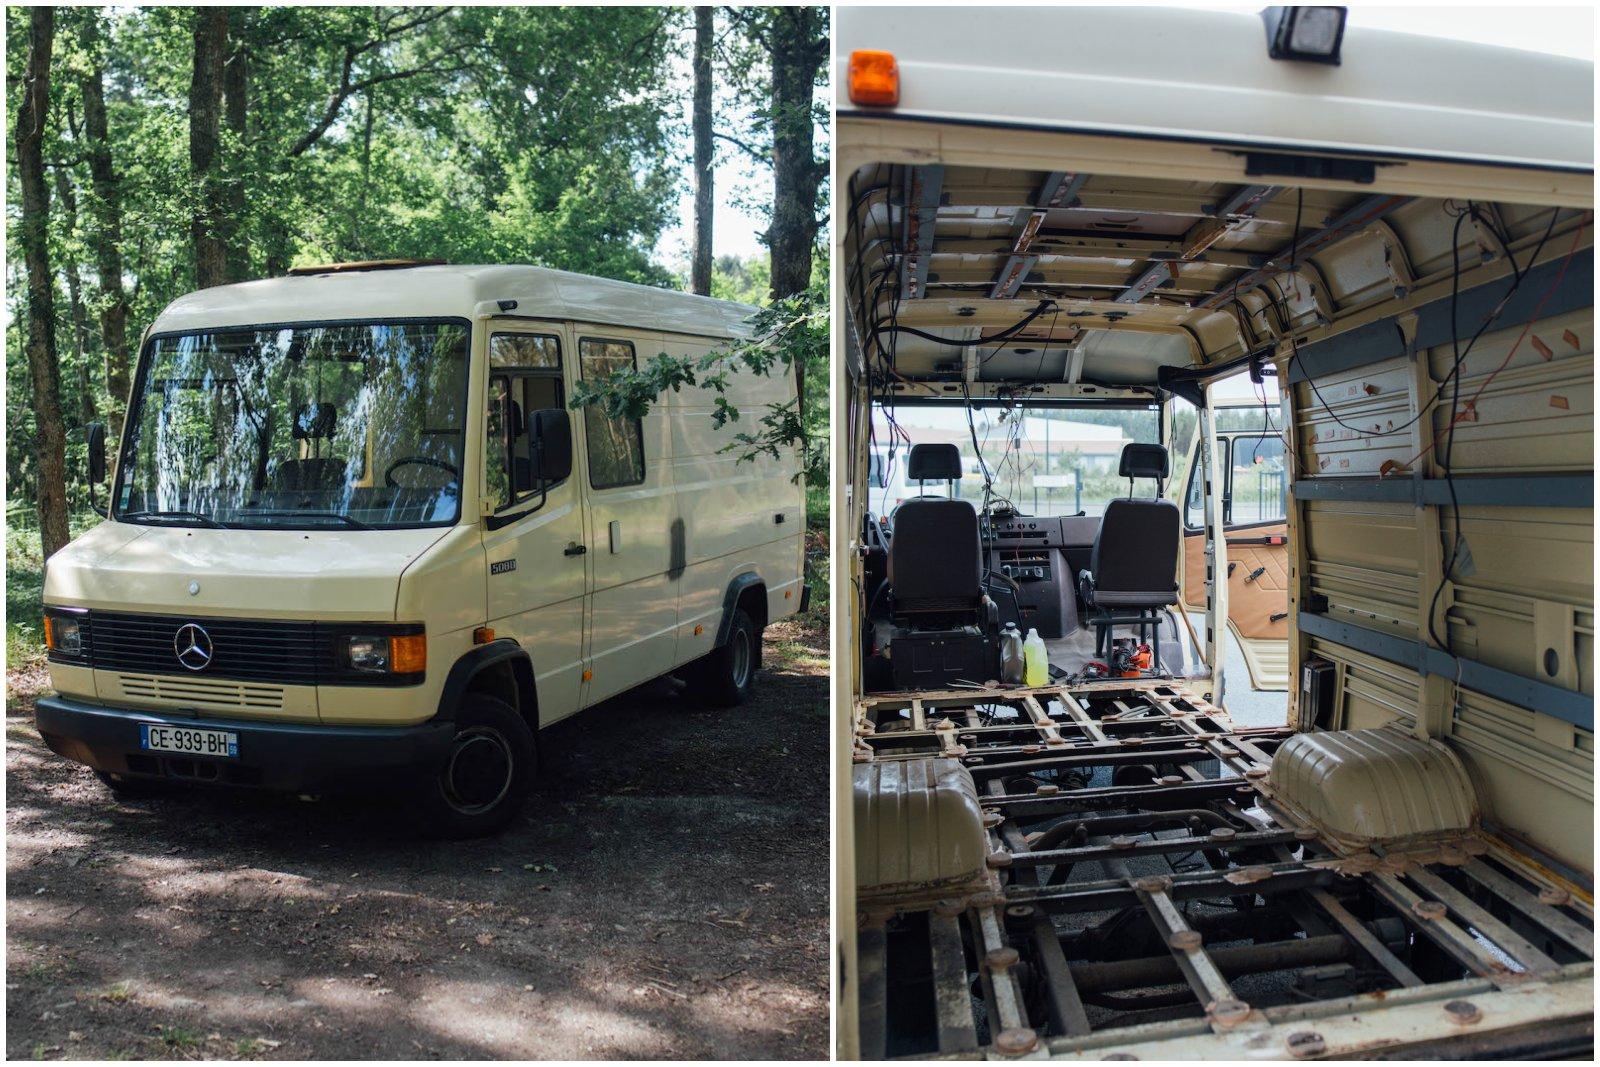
49 637
483 635
874 78
408 653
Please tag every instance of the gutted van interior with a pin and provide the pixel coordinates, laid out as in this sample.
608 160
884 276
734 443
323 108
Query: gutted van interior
1050 267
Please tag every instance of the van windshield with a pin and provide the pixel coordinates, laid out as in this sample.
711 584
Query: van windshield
351 425
1041 460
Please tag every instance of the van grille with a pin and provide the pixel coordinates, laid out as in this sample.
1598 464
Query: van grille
193 691
289 653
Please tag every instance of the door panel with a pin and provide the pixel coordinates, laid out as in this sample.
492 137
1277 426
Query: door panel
1258 554
633 620
537 580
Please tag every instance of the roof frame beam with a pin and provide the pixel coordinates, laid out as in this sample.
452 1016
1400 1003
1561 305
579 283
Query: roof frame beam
1060 189
1240 205
921 210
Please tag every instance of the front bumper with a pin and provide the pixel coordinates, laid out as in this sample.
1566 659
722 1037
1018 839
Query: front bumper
296 757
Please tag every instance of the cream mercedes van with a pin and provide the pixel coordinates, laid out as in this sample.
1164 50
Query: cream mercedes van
355 535
1067 221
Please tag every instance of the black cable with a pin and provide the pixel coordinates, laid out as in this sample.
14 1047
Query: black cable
1004 335
1453 380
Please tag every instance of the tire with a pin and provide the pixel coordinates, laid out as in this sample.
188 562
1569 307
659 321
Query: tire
487 775
723 677
134 788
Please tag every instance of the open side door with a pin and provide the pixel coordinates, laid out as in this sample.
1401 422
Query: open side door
1254 498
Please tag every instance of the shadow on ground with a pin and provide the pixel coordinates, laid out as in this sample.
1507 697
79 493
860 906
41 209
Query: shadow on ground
664 895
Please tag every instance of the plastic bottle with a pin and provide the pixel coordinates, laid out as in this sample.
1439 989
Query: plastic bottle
1011 657
1036 660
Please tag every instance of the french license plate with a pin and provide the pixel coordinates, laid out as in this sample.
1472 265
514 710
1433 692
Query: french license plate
189 741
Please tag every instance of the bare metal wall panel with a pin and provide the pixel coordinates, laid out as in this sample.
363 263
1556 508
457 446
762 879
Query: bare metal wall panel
1363 558
1522 598
1529 591
1537 414
1351 423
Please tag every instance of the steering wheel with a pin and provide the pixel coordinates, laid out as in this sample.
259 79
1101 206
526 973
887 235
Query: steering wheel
424 461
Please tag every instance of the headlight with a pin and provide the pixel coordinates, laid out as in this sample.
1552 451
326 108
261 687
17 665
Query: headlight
64 633
386 653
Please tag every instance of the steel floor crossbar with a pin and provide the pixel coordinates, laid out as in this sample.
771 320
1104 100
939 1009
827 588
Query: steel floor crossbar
1147 899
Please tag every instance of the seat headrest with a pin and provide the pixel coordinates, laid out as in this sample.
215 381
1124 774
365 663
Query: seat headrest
934 463
1143 461
314 421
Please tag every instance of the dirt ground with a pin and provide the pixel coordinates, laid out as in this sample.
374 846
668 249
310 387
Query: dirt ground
664 895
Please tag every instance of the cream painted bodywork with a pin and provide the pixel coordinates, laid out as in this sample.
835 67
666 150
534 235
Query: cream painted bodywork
620 617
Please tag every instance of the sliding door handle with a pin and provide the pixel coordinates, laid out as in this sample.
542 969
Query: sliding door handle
575 549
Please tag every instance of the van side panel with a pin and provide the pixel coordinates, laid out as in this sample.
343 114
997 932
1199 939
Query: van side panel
730 509
1522 601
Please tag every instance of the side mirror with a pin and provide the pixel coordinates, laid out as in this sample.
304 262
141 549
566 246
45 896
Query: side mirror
94 435
550 430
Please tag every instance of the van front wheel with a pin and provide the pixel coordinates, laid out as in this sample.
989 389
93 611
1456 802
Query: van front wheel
485 777
723 677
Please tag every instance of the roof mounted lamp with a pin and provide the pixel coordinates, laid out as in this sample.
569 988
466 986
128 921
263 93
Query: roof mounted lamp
1306 34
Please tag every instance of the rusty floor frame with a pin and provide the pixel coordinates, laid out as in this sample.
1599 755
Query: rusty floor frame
1460 948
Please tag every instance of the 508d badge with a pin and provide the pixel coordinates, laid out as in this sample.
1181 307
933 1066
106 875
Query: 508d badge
503 566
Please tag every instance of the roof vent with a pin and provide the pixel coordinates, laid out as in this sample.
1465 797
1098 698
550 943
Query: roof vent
363 265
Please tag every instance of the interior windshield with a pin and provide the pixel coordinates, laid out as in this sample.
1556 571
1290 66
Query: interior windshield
1039 460
353 425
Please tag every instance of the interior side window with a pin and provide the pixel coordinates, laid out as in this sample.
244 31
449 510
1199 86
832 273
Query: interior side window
616 445
1258 486
525 377
1194 502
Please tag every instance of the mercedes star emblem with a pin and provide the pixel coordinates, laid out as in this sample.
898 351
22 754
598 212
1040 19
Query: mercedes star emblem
193 646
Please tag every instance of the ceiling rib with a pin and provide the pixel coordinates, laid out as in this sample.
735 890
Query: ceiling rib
1060 189
1367 211
1242 204
922 213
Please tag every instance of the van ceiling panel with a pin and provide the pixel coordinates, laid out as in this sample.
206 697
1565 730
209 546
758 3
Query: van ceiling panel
1212 269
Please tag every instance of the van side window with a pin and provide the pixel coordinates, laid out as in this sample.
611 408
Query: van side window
524 377
616 445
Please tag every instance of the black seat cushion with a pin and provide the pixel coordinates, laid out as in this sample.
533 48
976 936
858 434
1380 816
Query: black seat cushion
935 557
1135 558
934 463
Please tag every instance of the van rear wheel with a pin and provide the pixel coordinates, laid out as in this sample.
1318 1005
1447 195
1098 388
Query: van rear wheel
724 676
485 777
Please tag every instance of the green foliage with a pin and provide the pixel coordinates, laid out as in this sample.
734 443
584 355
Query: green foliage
475 135
788 336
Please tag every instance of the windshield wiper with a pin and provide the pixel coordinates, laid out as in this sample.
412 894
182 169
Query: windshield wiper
160 516
356 524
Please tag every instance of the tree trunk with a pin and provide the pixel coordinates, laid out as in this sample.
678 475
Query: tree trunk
798 48
796 59
80 317
106 210
235 102
43 373
205 106
700 270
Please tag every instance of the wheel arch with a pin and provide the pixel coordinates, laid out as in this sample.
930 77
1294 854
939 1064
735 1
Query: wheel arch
501 669
747 590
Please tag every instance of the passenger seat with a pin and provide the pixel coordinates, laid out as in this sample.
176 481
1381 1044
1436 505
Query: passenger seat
1134 565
